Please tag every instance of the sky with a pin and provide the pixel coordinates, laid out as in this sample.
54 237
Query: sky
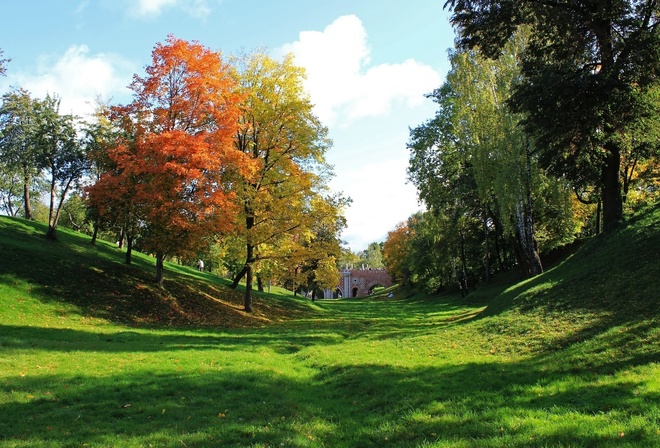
369 64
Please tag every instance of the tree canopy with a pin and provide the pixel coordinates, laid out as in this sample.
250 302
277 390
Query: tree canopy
174 156
287 144
586 77
20 156
36 139
211 157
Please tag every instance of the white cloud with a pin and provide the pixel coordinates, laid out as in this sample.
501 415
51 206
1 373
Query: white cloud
368 108
342 85
381 199
77 77
151 8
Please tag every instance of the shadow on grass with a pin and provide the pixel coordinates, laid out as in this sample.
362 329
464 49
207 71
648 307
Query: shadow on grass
477 404
612 276
96 281
19 338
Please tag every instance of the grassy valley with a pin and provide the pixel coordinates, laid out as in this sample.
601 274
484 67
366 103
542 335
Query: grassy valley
93 354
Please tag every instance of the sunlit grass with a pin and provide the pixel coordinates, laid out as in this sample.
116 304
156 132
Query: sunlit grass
554 362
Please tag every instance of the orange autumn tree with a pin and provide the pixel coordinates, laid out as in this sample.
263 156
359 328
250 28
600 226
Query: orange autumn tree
175 157
395 251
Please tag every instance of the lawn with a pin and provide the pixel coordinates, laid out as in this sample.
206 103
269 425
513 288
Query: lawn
92 355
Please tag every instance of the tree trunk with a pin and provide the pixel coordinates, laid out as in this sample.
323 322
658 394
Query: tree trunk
459 282
129 248
498 232
60 203
487 248
525 246
248 287
8 205
54 211
611 194
532 244
249 259
50 234
260 284
160 257
628 174
248 278
26 197
523 261
95 233
238 277
464 275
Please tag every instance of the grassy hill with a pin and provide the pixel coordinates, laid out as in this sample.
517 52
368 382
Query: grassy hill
70 277
92 355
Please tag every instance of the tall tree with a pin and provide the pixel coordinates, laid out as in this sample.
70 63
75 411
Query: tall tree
287 143
442 168
99 136
503 166
176 156
396 251
62 155
587 68
10 191
315 247
18 148
373 256
473 161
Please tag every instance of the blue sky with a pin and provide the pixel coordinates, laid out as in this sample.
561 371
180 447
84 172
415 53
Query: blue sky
369 64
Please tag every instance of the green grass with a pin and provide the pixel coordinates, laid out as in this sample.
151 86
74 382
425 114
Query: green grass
91 354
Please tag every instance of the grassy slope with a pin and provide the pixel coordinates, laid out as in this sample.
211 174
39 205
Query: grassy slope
570 358
70 277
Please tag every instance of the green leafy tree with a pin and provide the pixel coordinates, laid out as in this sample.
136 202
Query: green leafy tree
74 213
586 75
373 256
501 155
441 166
473 162
322 246
348 258
18 149
11 190
62 155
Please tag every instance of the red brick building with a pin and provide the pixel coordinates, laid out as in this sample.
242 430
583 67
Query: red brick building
359 282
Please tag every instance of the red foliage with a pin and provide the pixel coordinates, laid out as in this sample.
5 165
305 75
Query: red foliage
174 155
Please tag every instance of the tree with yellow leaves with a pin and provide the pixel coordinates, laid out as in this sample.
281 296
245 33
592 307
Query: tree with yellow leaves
287 143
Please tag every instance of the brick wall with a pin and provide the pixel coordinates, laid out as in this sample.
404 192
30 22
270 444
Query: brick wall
360 282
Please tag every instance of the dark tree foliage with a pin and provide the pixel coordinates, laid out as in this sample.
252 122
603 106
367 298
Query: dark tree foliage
588 73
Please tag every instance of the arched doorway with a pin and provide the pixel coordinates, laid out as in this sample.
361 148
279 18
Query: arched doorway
354 292
338 294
